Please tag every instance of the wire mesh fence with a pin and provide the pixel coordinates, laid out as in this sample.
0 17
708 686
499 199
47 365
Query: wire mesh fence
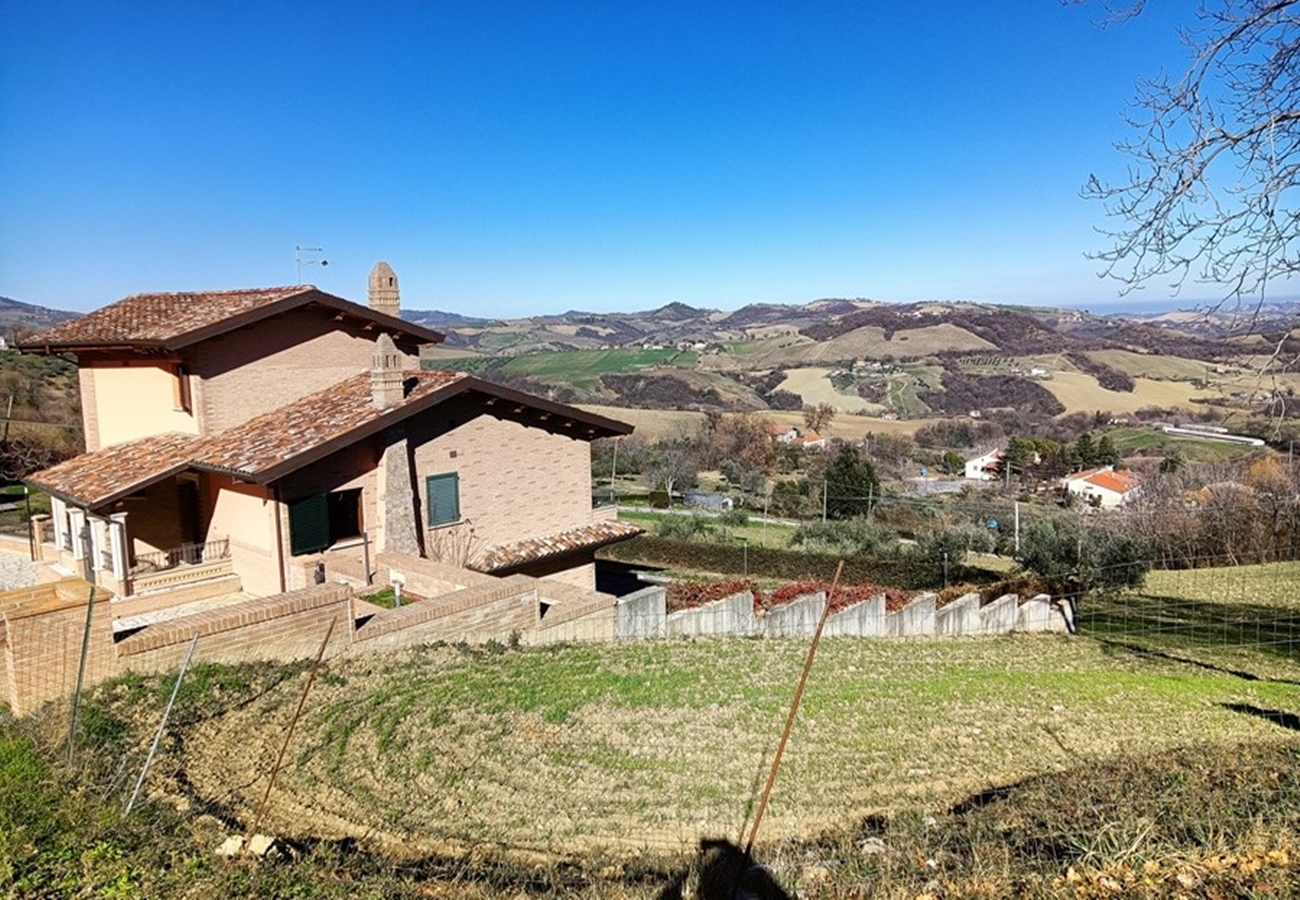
611 747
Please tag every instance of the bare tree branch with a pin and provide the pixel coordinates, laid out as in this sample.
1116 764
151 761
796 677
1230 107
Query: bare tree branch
1210 194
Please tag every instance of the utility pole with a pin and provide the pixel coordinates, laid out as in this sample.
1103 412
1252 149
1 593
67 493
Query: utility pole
1017 527
613 472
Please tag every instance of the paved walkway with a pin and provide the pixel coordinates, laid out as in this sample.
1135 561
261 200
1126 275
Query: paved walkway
15 571
140 620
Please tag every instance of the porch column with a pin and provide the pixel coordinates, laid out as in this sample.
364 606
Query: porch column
59 515
117 542
77 522
96 542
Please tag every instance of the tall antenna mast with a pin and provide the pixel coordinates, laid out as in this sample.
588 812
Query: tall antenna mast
308 256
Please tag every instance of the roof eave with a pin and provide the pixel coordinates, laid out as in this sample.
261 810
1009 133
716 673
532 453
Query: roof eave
417 334
98 502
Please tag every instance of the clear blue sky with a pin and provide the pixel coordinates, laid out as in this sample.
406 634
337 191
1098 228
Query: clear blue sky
532 157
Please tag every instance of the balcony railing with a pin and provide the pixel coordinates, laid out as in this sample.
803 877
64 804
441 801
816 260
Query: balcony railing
184 555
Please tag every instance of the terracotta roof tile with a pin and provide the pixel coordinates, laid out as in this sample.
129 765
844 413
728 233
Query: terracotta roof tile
92 479
268 446
249 449
1119 482
531 550
155 318
260 444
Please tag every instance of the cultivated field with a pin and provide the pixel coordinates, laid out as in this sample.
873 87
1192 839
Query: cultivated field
814 385
1079 391
1154 755
655 745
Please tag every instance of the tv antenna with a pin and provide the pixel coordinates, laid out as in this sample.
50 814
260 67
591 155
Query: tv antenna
308 256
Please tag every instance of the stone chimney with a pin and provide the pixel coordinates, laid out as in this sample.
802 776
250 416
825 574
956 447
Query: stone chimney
386 390
383 290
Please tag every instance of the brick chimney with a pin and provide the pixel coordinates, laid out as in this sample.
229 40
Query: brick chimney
383 290
386 390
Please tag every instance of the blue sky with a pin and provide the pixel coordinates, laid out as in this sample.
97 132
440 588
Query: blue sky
532 157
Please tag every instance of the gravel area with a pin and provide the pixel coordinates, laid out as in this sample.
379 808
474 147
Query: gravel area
16 572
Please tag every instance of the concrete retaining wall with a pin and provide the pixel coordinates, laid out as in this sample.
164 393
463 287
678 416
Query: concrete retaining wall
999 617
730 616
865 619
797 618
916 619
642 615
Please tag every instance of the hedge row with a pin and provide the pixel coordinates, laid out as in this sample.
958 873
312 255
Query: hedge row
788 565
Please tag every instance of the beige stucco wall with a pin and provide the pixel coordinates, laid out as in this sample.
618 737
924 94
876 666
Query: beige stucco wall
123 402
254 370
245 513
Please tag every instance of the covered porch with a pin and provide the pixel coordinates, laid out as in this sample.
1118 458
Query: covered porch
135 519
133 551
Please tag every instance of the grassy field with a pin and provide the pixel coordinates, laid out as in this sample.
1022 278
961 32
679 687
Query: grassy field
1149 441
1154 755
579 368
758 534
814 386
1152 365
1080 391
585 748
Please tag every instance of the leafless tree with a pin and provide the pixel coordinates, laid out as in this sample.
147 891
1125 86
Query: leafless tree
1215 159
818 418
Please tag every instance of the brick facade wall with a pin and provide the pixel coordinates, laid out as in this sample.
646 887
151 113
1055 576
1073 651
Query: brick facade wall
516 481
254 370
89 416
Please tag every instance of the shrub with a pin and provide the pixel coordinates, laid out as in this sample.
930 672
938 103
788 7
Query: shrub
683 528
850 537
734 518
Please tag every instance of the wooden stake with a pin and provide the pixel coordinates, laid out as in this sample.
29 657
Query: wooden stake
794 709
275 770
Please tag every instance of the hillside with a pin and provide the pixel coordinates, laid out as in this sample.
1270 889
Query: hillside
878 360
16 315
863 357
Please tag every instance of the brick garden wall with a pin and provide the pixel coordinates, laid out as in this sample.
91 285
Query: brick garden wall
43 628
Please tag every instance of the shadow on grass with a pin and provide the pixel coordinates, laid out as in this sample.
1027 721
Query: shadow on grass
1276 716
1201 633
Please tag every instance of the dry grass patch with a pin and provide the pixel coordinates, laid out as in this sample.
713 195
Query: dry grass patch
1078 391
586 747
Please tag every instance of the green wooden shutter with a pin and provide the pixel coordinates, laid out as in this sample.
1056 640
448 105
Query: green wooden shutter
309 524
443 492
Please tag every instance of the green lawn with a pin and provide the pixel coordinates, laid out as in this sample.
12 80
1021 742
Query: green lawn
758 534
1157 748
653 744
583 368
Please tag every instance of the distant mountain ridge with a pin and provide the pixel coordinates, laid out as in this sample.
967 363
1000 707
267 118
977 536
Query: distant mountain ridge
14 314
841 324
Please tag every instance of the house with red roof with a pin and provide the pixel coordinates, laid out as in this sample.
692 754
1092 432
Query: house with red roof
1104 487
261 439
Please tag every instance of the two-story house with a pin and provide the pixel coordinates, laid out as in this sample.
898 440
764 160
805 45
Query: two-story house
263 436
